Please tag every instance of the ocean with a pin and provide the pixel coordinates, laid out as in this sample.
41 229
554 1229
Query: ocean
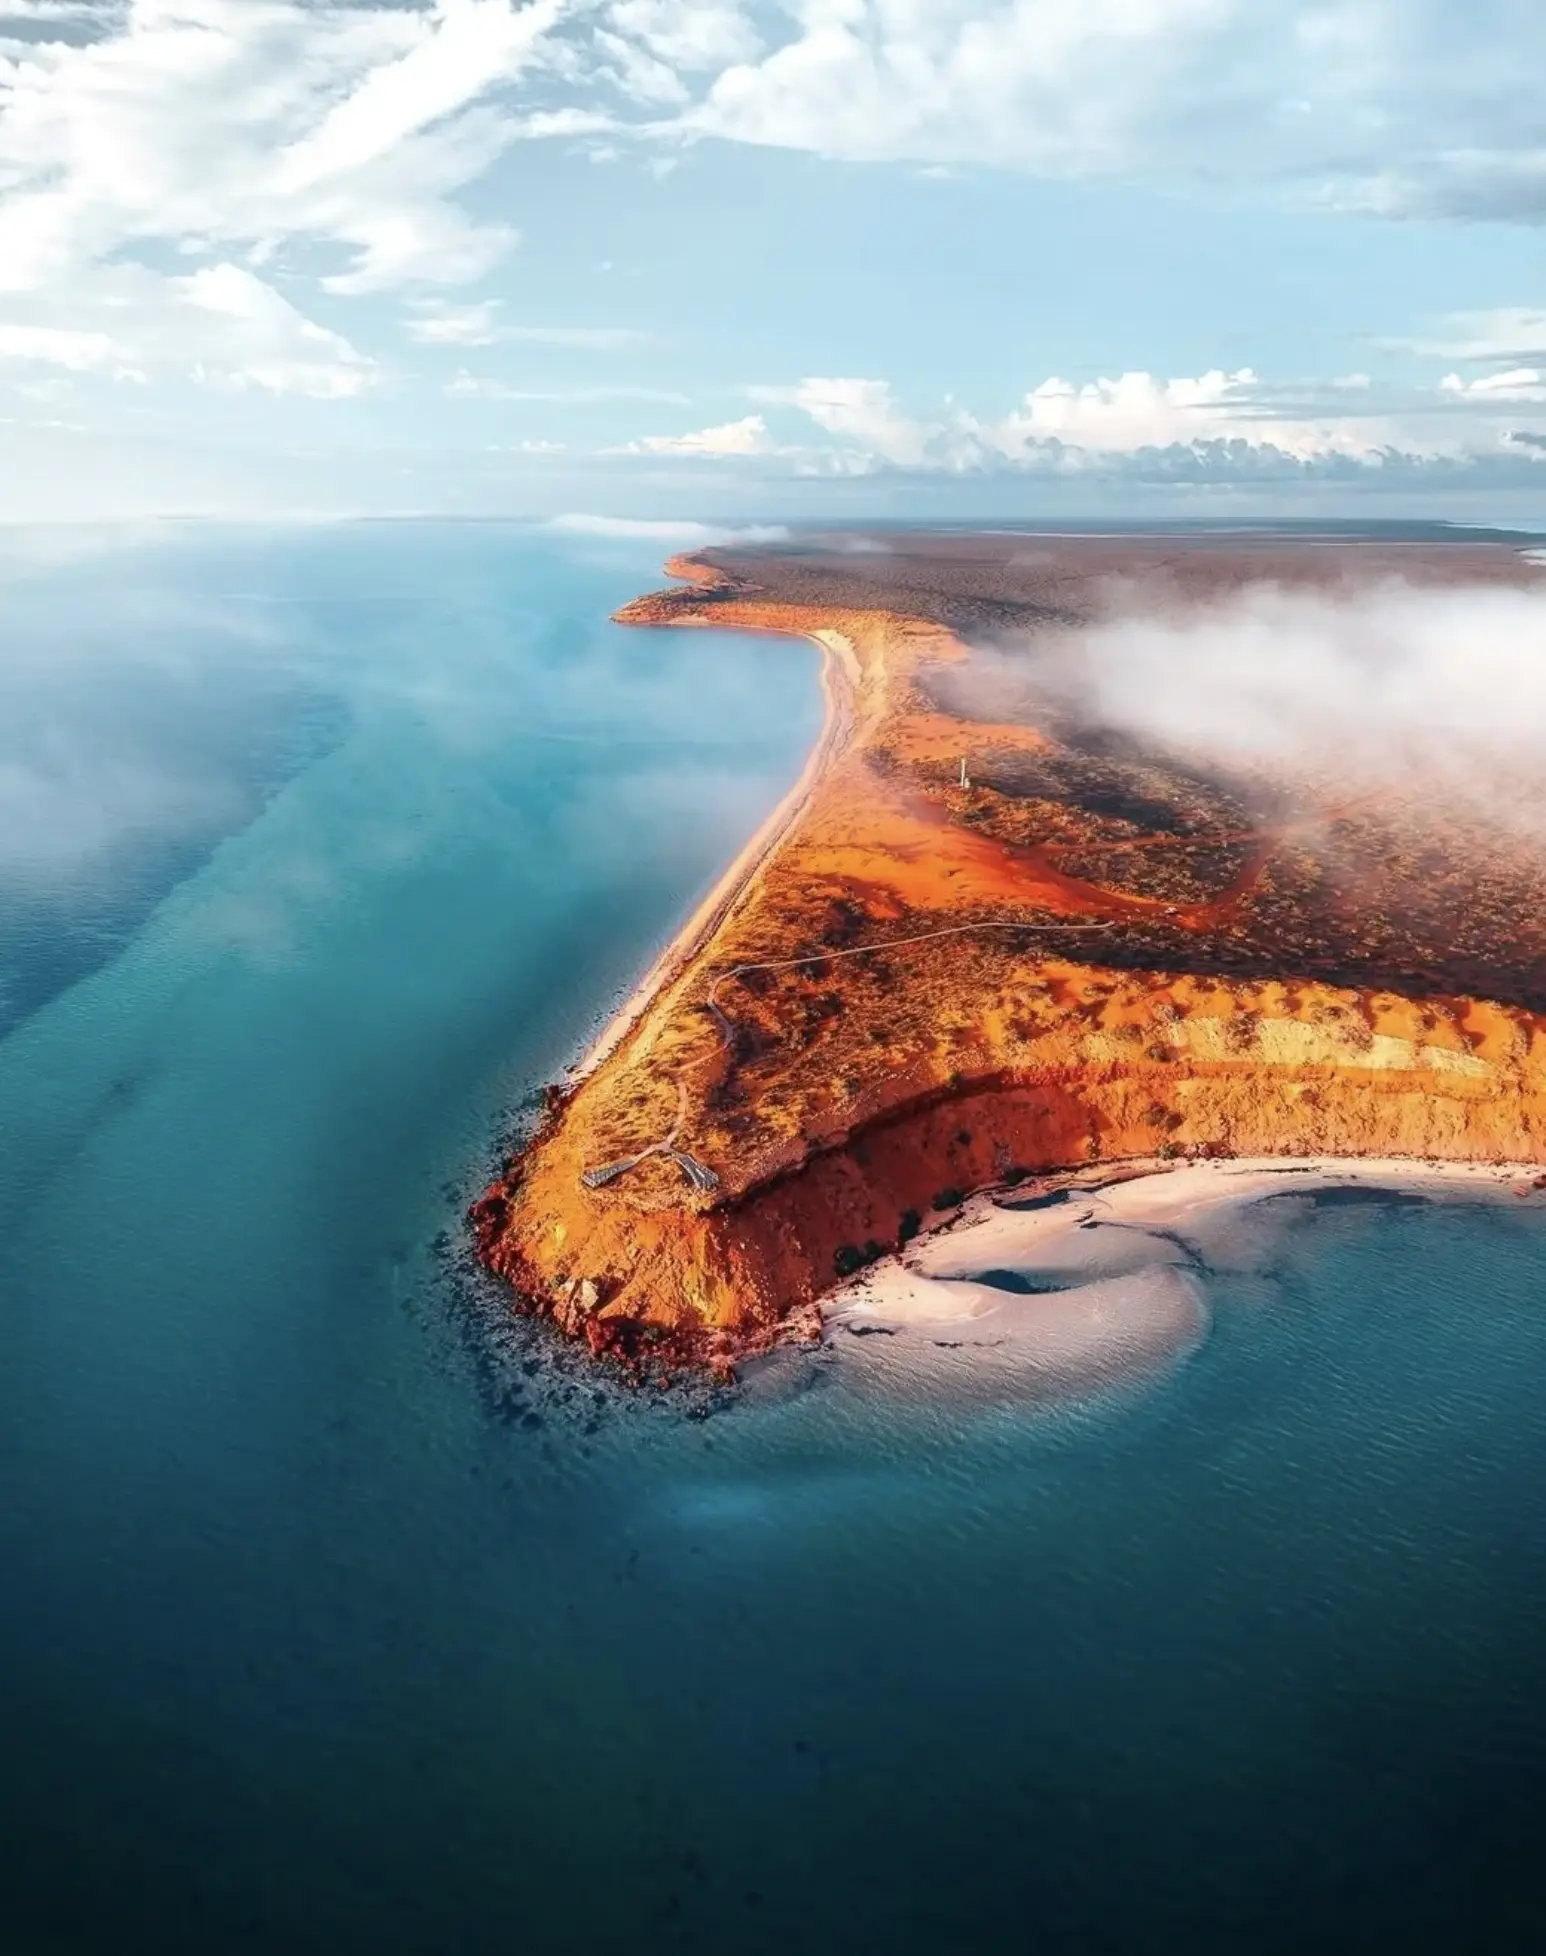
340 1611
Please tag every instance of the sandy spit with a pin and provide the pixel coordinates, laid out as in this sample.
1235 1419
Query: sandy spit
1086 1279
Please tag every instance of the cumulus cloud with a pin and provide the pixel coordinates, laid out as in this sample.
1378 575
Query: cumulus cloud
962 80
1136 410
864 412
749 436
1227 425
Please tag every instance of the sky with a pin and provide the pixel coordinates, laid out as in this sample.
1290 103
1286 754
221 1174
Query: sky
759 260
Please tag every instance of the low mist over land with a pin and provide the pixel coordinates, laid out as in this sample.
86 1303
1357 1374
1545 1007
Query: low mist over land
1374 683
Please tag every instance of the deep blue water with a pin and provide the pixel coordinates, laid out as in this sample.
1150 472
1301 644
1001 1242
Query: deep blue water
337 1617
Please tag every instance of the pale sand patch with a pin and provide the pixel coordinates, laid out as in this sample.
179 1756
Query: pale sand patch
1112 1264
1083 1337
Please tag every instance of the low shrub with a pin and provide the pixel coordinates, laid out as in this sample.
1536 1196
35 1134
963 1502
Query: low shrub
850 1258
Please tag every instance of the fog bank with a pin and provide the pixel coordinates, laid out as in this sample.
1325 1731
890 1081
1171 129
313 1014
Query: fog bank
1447 682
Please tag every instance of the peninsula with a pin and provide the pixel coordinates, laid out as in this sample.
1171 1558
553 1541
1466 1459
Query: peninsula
990 937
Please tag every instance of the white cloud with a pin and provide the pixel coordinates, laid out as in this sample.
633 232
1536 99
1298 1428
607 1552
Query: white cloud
749 436
60 346
1413 107
1047 84
1135 411
1141 411
640 76
1211 425
216 189
690 36
221 325
454 325
862 410
273 347
1445 685
213 123
324 144
463 49
331 140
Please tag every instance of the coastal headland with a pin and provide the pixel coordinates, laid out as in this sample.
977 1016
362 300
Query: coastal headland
990 938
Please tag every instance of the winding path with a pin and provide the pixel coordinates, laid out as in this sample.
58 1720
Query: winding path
698 1173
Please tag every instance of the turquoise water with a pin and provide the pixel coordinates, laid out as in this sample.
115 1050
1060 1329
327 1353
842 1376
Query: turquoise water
339 1613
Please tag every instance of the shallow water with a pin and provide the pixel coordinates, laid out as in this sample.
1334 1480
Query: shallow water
336 1617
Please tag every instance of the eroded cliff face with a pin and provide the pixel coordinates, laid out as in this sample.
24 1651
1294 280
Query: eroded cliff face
1141 1068
916 984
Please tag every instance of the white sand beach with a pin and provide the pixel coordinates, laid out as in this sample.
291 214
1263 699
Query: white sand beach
1089 1280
